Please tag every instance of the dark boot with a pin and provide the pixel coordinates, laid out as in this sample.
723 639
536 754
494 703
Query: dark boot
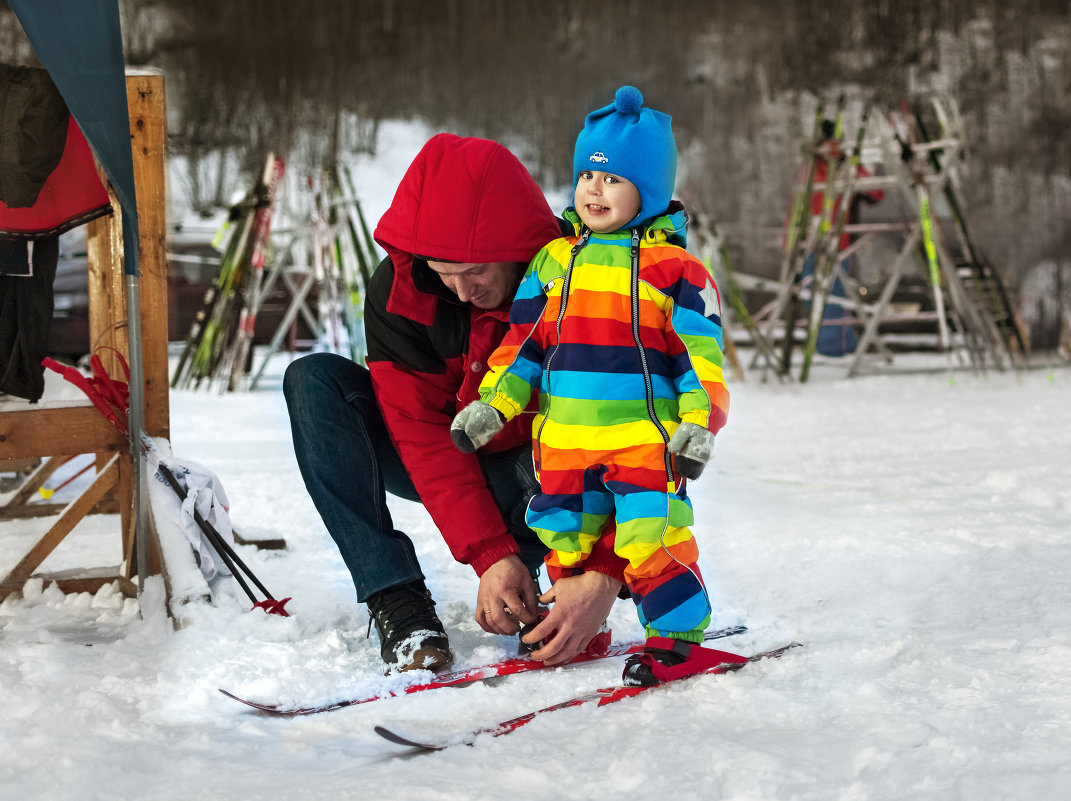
411 636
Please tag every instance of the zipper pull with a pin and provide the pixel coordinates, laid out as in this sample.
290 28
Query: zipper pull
580 243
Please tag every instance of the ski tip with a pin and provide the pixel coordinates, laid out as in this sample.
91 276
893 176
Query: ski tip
229 694
776 652
269 709
398 739
728 631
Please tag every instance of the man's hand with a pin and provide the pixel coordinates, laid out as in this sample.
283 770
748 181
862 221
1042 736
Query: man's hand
474 426
581 604
506 584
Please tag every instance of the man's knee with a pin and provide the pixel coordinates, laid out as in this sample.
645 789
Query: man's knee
322 376
308 367
297 375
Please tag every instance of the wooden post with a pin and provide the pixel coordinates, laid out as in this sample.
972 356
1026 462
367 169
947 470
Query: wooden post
148 138
148 135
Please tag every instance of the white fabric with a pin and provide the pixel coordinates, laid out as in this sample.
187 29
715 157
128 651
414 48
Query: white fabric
204 492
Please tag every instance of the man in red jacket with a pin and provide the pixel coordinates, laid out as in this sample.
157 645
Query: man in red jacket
464 223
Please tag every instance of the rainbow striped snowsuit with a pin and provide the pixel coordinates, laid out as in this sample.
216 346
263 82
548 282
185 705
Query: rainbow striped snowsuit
621 333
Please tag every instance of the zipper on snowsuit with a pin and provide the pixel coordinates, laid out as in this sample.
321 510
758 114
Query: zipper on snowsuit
651 411
634 252
558 336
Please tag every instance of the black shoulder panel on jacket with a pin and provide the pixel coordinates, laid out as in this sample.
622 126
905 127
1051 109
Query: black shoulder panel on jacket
409 344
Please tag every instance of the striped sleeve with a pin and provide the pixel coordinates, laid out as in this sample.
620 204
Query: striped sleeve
696 322
516 364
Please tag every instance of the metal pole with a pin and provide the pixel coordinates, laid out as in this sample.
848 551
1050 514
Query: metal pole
136 428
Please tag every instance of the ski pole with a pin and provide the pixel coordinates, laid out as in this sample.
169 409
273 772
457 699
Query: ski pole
227 554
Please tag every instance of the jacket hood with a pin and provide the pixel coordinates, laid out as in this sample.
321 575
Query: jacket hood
463 200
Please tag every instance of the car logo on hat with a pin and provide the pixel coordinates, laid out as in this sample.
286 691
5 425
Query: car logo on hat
598 157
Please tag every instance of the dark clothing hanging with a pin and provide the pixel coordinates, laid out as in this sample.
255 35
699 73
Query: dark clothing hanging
33 130
26 317
48 179
48 185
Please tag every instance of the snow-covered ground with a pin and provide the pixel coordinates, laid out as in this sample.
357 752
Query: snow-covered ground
914 533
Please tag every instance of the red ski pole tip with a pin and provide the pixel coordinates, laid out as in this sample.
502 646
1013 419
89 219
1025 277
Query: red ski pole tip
273 607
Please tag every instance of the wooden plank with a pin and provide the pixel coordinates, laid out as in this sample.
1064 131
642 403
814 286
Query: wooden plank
266 544
70 581
148 134
107 282
107 306
19 465
71 516
31 510
55 431
38 477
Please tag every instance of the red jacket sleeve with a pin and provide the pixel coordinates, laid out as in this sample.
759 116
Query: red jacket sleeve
418 409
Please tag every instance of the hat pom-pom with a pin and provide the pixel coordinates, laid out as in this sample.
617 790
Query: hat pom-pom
628 100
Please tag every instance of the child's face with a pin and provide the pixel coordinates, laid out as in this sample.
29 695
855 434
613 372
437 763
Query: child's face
605 202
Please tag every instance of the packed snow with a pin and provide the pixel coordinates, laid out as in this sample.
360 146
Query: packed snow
912 530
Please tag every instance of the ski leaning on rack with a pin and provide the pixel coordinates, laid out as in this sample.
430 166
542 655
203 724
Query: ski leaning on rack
608 695
456 678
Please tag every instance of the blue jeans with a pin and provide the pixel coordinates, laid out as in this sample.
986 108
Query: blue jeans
834 338
349 464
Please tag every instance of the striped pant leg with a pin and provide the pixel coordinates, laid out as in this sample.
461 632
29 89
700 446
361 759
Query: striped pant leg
570 523
663 573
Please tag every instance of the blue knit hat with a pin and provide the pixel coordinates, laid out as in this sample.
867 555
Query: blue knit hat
626 139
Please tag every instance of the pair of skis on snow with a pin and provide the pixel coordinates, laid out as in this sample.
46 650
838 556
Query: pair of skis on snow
509 667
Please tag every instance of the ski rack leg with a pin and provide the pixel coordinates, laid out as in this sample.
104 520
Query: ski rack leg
798 239
829 256
878 310
297 304
718 262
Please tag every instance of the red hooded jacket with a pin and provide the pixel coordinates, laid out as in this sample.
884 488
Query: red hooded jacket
464 200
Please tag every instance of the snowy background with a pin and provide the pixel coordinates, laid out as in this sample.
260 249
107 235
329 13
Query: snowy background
913 530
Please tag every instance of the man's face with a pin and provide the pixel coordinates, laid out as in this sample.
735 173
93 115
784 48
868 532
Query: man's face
605 202
485 286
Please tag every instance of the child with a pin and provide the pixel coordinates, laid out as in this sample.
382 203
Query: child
620 330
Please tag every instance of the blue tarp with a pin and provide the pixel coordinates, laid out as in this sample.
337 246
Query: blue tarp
81 45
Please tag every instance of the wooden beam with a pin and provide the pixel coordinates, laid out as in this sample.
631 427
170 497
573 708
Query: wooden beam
148 138
69 581
70 517
38 477
107 306
57 430
11 512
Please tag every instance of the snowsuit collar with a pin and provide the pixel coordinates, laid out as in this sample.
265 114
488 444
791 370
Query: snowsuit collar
464 200
668 227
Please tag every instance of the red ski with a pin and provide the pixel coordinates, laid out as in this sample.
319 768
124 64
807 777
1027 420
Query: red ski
455 678
602 697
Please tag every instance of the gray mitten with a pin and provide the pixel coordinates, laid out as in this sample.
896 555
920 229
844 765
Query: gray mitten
691 445
475 425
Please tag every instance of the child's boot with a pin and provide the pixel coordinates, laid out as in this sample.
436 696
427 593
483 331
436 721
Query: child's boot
666 659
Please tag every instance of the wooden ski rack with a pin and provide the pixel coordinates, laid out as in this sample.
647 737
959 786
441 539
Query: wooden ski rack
55 431
974 319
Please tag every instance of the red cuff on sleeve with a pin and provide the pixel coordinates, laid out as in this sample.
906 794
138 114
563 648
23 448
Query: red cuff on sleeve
498 548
